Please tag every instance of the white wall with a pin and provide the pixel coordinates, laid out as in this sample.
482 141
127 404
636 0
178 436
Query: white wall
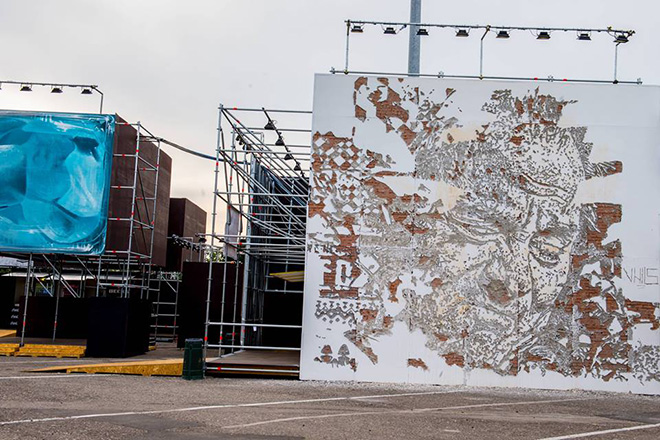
484 233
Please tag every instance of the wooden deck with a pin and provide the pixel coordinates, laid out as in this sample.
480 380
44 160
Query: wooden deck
256 362
44 341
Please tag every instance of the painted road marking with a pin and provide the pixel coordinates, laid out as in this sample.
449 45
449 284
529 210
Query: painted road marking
607 431
10 363
401 411
61 376
201 408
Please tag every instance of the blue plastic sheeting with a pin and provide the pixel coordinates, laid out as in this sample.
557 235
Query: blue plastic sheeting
54 182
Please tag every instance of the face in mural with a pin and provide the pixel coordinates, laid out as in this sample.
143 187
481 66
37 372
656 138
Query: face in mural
518 234
500 256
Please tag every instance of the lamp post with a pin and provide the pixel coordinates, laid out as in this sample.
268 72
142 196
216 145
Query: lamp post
414 41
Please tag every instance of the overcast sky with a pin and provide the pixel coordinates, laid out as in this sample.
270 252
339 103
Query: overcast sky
169 63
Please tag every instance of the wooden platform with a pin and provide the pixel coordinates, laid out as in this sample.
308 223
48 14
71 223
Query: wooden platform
160 367
8 349
7 333
43 347
256 362
50 350
44 341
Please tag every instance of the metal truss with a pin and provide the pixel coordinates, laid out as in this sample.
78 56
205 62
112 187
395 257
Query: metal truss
261 190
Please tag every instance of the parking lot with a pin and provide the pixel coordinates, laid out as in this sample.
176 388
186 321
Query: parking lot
82 406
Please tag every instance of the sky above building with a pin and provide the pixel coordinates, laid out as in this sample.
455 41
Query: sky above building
169 64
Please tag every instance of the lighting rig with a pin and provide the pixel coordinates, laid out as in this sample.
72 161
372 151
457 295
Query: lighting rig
620 36
270 125
57 88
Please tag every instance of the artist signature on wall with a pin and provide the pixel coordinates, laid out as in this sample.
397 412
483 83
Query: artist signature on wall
641 276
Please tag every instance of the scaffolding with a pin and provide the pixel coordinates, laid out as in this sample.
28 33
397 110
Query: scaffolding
122 271
128 269
166 307
261 184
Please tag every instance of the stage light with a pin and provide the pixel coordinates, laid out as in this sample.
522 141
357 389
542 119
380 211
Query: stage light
288 156
56 89
357 29
584 36
503 34
279 142
422 32
26 88
621 38
543 35
86 91
462 33
389 30
269 125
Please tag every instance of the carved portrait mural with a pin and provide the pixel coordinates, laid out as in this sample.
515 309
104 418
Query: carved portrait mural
455 234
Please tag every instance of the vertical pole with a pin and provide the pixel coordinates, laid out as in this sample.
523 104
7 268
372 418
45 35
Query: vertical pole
153 220
176 306
616 60
136 170
481 53
248 241
160 285
414 42
57 289
228 220
98 277
28 278
83 284
348 34
101 104
211 246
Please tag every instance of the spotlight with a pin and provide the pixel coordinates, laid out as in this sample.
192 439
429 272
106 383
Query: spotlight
503 34
389 30
584 36
56 89
621 38
26 88
270 125
422 32
279 142
297 167
462 33
357 29
202 240
86 91
288 156
543 35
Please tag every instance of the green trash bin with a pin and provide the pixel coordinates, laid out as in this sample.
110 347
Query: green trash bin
193 362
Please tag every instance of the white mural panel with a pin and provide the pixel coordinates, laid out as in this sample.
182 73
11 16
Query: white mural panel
484 233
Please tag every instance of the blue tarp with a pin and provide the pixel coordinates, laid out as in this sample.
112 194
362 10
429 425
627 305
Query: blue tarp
54 182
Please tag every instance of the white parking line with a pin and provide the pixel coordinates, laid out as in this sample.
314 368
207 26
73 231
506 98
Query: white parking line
399 411
201 408
607 431
44 361
53 376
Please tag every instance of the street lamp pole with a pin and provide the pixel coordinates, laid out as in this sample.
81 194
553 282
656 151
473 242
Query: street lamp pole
414 41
